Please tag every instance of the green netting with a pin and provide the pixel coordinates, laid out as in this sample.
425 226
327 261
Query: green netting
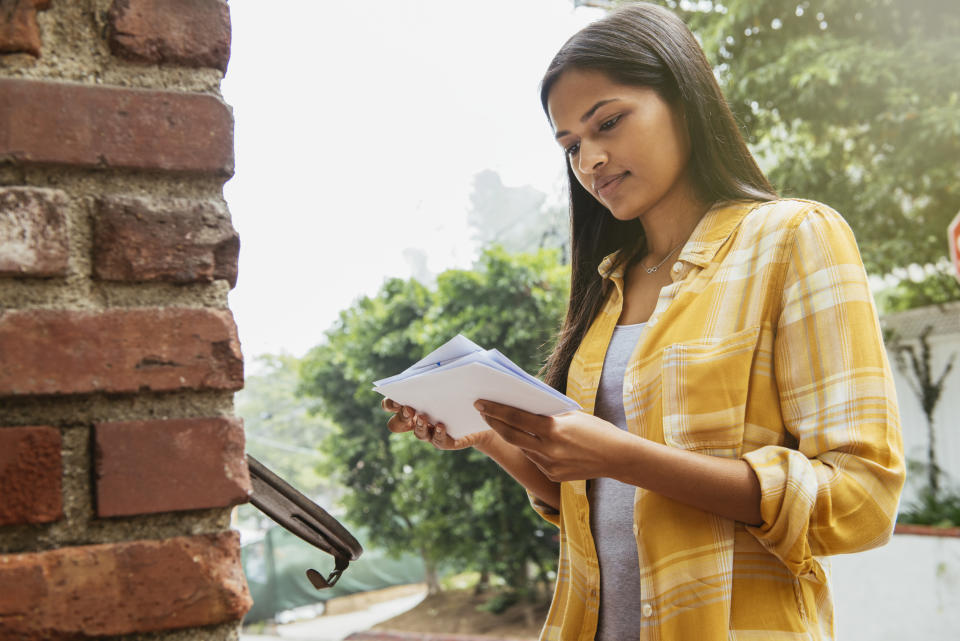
275 567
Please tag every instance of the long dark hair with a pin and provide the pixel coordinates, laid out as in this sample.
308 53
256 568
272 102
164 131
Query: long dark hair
645 45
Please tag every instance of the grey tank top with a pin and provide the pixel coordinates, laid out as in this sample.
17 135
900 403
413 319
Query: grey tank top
611 507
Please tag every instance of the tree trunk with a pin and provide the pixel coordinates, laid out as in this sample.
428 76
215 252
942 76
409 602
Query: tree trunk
483 583
933 471
430 572
529 615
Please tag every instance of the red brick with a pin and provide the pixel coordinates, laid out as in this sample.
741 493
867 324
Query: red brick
19 32
122 588
181 241
33 232
30 475
194 33
89 126
144 467
46 351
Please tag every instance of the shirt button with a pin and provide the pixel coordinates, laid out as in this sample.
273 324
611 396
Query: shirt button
647 610
593 592
676 268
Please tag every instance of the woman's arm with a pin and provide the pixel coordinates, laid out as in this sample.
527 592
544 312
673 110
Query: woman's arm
523 470
837 491
576 446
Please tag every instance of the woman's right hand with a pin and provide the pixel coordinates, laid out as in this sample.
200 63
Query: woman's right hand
407 419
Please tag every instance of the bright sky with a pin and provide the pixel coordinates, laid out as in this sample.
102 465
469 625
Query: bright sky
359 128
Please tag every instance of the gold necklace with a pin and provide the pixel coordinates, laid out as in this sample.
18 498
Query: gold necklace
651 270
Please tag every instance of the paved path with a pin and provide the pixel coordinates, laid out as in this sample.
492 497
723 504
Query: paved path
337 627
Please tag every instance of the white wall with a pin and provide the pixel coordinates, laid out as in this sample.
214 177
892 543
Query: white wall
946 417
908 589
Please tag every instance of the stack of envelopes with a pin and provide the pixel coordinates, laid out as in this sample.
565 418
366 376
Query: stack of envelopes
445 384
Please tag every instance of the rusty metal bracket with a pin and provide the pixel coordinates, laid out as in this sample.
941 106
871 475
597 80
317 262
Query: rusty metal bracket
296 513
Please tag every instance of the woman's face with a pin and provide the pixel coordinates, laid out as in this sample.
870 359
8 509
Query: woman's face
625 144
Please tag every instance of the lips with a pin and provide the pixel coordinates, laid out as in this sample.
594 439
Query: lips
606 184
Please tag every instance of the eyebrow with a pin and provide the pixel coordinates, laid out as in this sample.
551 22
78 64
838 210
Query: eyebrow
592 110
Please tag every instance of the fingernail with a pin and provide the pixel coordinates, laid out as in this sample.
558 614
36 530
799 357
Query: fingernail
479 406
406 412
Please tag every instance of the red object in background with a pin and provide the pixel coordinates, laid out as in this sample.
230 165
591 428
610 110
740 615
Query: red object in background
953 233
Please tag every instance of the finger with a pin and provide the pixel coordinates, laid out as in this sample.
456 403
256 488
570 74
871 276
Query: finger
422 427
543 464
440 437
398 424
419 429
521 419
537 458
431 428
390 405
513 435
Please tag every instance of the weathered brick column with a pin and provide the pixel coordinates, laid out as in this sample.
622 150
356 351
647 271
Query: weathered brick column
119 454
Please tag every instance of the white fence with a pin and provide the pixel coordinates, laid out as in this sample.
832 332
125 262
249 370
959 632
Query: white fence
908 589
944 341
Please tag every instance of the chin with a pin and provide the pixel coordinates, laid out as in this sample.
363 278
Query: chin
624 214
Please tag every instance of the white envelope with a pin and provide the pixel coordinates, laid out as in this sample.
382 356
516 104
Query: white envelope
446 383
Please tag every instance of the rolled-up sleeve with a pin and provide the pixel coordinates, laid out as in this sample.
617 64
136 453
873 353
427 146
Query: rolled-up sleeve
548 512
838 491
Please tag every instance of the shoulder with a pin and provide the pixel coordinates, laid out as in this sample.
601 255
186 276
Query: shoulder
785 222
791 213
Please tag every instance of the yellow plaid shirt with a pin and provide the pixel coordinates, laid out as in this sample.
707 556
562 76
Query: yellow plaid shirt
765 347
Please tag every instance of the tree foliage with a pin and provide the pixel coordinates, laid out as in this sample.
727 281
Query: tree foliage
939 285
941 510
852 102
456 507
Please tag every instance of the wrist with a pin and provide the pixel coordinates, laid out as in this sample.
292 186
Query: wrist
627 457
490 443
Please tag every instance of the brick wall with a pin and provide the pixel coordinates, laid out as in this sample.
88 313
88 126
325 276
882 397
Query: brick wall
119 454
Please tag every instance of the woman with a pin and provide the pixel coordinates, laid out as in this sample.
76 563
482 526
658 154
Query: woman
740 422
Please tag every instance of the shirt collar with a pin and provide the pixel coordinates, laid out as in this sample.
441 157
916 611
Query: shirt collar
711 232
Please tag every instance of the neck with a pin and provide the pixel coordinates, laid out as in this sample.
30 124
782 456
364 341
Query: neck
671 222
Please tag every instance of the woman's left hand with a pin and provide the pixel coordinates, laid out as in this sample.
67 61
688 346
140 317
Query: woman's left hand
568 447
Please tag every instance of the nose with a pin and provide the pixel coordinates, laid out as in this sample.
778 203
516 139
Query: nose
591 158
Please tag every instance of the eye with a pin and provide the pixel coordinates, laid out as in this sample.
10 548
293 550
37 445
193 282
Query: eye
572 149
610 124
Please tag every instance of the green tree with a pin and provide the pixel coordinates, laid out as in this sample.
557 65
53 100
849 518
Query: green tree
852 102
373 338
455 507
516 303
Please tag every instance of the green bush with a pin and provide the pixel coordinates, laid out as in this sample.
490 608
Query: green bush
500 602
941 510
